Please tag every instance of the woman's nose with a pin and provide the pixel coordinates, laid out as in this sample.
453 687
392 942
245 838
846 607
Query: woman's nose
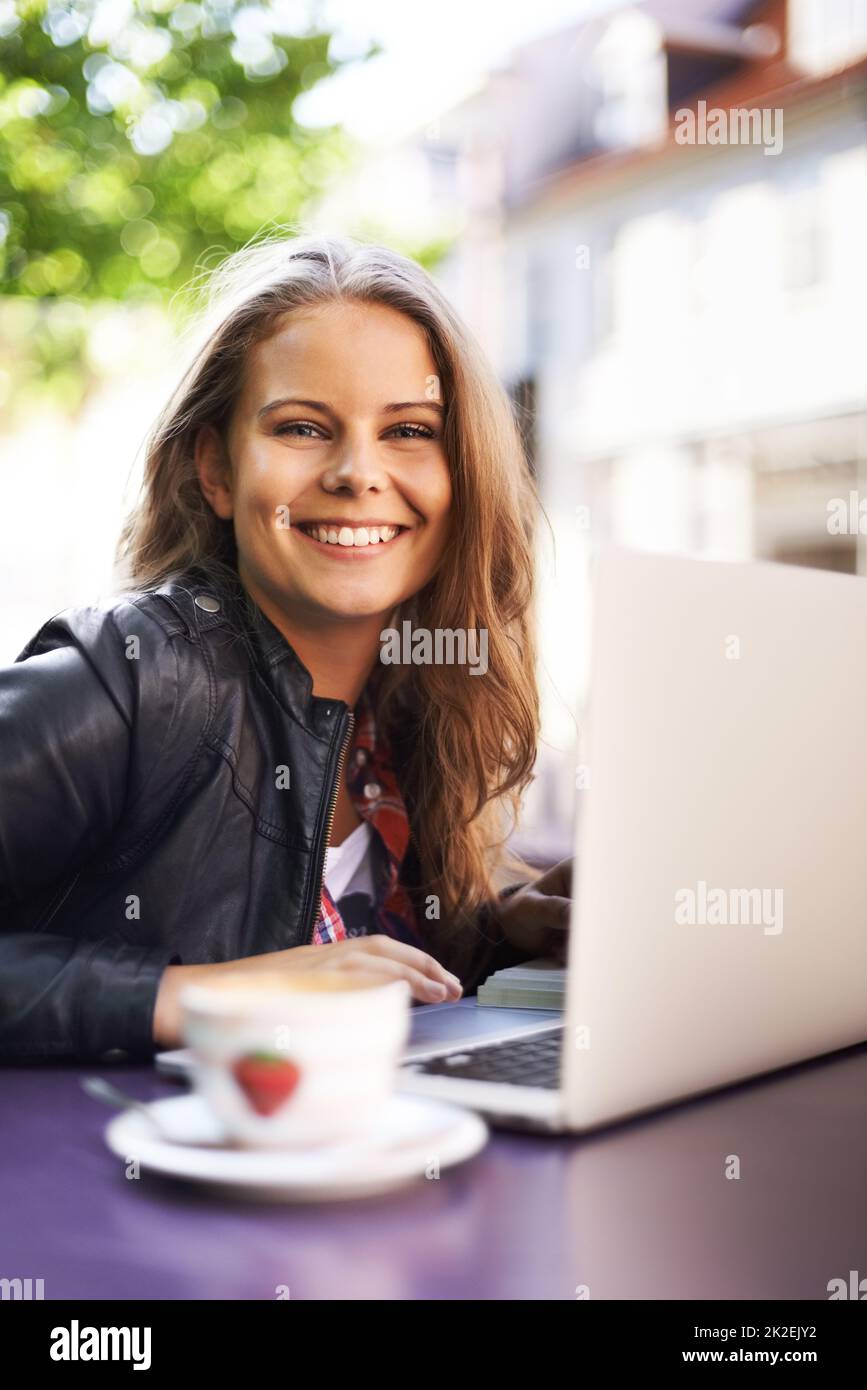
359 466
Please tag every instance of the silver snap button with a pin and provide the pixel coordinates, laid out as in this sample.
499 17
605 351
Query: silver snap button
361 755
372 789
207 602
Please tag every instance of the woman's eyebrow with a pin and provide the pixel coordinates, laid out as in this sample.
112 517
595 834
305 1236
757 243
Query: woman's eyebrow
412 405
394 408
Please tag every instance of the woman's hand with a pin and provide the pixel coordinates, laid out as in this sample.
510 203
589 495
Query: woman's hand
429 982
536 918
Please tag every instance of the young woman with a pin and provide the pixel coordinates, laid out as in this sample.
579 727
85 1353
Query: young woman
223 768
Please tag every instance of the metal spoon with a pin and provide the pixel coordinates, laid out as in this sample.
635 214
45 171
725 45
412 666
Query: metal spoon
100 1089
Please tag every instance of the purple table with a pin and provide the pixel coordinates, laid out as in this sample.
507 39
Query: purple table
642 1210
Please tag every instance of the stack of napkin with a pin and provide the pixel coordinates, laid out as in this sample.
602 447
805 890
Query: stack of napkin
536 984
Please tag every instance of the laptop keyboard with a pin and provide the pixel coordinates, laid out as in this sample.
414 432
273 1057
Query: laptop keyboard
530 1061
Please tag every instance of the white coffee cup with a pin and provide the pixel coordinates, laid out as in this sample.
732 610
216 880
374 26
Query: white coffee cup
295 1059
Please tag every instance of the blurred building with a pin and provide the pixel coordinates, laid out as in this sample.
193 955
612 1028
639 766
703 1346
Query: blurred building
665 216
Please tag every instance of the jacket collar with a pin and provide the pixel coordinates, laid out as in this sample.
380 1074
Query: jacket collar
207 602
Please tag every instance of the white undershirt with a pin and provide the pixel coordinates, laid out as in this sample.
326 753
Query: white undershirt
348 866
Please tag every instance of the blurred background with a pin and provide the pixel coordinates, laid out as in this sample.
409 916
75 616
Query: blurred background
677 310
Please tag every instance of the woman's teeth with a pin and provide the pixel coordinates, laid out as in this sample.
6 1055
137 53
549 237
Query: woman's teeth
346 535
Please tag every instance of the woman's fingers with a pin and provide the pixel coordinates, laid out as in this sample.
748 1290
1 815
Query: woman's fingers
422 987
420 962
538 912
556 880
535 921
429 981
553 912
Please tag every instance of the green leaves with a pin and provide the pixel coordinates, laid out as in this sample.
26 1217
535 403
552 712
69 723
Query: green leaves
135 137
134 132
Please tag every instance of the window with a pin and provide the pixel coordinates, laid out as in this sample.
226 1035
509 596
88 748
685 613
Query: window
629 68
539 309
827 34
523 393
803 261
602 269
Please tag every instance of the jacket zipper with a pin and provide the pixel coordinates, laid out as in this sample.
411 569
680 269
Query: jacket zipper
329 823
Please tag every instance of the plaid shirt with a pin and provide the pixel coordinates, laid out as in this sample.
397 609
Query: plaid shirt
376 797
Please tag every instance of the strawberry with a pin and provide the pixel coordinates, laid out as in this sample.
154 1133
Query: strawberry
267 1080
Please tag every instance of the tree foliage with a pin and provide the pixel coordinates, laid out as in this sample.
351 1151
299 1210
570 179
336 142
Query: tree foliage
141 140
137 134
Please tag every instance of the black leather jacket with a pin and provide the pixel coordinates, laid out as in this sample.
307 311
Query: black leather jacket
141 821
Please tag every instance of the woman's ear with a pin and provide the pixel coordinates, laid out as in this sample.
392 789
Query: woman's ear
214 471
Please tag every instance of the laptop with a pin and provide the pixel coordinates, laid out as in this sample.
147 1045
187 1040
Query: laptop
718 930
435 1029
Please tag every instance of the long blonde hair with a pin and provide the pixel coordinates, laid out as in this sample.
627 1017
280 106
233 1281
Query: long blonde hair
469 741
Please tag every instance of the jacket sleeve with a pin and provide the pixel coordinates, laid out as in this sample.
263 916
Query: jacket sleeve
67 708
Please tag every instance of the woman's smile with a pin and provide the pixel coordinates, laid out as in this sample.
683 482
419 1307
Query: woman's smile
344 540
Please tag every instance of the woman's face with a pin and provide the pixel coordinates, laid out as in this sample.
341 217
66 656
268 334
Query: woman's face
339 428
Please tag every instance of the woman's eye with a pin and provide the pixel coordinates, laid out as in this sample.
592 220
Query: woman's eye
415 431
297 425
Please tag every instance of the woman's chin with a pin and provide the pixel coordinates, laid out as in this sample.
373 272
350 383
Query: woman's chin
360 610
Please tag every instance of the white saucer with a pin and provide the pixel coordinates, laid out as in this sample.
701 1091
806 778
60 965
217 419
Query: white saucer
414 1137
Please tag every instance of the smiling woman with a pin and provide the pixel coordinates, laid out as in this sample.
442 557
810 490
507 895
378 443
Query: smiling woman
348 450
338 460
